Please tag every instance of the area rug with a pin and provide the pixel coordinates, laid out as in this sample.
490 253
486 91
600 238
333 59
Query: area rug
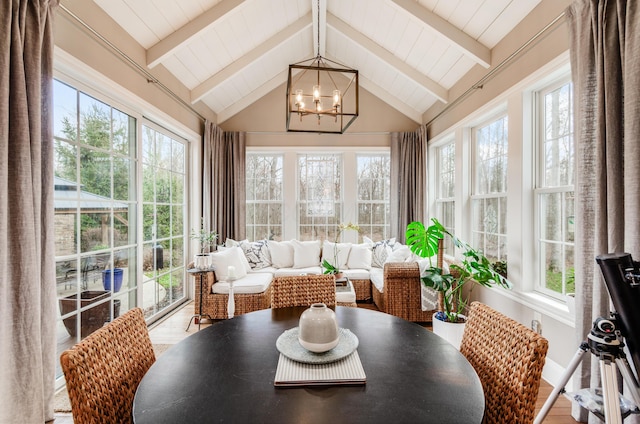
61 402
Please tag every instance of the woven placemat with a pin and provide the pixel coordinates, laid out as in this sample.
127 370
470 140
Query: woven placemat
61 402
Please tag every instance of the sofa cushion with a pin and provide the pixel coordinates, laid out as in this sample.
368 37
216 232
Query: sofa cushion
281 253
223 259
306 253
356 274
377 278
252 283
290 272
360 256
402 253
329 253
381 250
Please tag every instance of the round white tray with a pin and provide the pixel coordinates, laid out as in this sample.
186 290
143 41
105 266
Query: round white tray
290 347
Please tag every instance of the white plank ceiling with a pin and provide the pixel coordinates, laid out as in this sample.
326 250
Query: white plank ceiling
229 53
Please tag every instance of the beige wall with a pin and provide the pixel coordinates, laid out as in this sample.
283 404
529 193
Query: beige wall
265 122
554 42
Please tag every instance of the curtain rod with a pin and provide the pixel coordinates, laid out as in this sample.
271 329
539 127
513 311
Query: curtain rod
495 70
149 76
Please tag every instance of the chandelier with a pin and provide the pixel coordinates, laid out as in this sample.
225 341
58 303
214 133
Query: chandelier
322 95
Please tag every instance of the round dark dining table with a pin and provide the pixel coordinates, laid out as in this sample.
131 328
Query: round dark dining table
225 373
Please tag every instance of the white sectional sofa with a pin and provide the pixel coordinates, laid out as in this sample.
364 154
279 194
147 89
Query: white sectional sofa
369 265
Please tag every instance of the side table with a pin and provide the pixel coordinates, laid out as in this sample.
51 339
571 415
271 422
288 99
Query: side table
199 274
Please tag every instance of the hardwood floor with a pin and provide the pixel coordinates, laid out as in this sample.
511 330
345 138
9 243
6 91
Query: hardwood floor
171 330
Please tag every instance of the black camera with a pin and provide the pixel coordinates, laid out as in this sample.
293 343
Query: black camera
622 278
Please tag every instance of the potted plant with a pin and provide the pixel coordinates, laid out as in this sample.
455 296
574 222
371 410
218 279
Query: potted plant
473 268
206 239
333 268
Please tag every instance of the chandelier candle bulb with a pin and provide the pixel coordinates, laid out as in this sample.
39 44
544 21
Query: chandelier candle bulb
231 272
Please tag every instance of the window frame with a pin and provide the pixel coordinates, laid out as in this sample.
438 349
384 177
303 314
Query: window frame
475 196
541 188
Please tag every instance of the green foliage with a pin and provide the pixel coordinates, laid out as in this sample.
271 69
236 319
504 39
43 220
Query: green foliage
205 237
473 268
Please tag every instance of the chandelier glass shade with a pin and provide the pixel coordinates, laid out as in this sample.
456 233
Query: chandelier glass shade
322 96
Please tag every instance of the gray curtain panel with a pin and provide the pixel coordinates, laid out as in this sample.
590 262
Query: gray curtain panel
27 265
605 62
223 185
408 180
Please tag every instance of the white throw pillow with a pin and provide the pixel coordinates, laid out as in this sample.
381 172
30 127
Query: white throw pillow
306 253
381 250
329 253
281 253
222 260
401 254
360 256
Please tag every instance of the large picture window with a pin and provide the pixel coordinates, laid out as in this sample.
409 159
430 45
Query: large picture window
554 192
319 196
445 190
294 194
489 198
95 199
114 179
373 195
264 196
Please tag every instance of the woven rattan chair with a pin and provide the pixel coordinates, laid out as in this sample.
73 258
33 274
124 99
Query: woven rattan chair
303 290
508 358
103 371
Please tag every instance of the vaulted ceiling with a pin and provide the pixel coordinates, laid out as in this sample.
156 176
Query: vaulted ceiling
230 53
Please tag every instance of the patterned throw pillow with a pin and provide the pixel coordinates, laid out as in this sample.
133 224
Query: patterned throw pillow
257 253
381 250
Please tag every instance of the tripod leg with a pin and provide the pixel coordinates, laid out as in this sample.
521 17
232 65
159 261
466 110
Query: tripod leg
612 414
629 378
559 388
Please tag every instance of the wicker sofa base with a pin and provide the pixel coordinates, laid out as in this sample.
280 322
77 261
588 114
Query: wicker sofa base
362 289
402 295
215 304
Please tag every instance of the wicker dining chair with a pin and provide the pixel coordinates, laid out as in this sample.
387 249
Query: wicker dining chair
508 358
303 290
103 371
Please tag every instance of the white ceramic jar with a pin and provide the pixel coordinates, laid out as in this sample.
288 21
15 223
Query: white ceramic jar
318 328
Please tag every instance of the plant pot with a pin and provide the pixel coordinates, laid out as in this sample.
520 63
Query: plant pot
107 279
93 318
202 261
450 331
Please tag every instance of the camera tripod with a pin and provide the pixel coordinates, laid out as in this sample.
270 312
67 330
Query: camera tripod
605 342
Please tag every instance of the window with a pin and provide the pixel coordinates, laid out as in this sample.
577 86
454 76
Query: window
373 195
102 205
163 212
445 190
95 200
307 195
264 196
554 192
489 198
319 196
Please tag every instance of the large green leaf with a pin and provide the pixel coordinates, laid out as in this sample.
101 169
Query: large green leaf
423 241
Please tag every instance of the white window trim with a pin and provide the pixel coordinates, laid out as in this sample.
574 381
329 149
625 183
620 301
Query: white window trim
521 176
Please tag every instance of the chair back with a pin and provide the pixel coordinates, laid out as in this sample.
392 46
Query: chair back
303 290
508 358
103 371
